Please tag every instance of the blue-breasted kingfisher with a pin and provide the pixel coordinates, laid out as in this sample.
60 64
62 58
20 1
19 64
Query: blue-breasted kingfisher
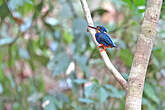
103 38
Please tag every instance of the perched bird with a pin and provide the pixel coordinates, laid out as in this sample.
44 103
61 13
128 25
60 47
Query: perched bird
103 38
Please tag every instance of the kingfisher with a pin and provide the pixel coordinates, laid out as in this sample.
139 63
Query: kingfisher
103 38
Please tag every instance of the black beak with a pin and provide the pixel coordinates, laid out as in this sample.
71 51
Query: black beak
92 27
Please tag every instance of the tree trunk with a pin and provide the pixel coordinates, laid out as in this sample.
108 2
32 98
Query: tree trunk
143 51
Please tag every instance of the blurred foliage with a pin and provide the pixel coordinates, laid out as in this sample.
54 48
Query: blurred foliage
48 61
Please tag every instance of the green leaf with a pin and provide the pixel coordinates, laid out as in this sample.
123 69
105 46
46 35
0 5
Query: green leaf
62 97
148 104
1 2
158 57
12 53
68 38
102 94
79 27
13 4
27 7
126 56
150 93
65 8
98 11
59 104
12 82
86 100
80 81
91 90
23 53
26 25
139 2
6 41
33 98
16 106
4 11
82 63
50 103
118 3
125 75
114 92
23 5
129 3
59 63
141 10
95 81
38 9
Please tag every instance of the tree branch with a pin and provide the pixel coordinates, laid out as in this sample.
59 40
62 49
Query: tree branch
141 58
104 55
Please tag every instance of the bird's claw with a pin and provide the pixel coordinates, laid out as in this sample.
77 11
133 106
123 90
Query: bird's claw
100 45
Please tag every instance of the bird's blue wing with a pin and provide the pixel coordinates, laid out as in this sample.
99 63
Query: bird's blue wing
106 40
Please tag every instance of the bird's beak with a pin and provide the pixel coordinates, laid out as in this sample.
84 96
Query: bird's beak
92 27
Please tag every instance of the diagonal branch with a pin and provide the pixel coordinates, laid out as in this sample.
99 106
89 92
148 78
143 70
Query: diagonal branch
104 55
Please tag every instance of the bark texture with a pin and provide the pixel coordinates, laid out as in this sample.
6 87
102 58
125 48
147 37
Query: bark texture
141 58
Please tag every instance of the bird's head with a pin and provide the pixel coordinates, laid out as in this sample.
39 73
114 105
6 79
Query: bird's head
99 28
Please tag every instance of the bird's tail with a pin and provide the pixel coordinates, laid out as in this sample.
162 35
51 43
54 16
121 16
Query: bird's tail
116 44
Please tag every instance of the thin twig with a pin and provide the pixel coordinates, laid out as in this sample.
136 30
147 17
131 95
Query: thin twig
104 55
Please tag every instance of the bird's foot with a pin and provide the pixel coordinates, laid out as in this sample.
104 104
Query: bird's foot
100 45
104 48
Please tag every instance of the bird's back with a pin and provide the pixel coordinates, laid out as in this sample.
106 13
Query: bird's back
105 39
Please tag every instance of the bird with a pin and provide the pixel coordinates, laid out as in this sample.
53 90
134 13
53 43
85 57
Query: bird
103 38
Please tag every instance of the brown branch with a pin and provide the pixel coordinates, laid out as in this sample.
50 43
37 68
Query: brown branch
104 55
141 58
